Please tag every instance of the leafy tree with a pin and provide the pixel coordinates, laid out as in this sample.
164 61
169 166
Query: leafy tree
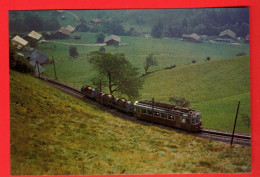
73 52
157 30
118 74
150 61
100 38
82 28
33 22
179 101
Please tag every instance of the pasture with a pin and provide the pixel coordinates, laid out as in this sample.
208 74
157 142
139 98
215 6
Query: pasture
213 87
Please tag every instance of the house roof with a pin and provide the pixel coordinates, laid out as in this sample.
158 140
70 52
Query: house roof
70 28
95 20
227 32
35 35
19 40
33 63
193 36
112 37
37 55
63 30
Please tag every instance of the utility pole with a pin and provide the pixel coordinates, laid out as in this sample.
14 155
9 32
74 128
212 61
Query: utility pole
235 123
37 63
100 85
153 107
54 68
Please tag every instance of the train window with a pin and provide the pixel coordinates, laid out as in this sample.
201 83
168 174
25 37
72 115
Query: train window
156 114
149 112
171 117
183 120
163 115
144 111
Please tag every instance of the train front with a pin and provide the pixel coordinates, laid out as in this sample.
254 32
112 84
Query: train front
196 121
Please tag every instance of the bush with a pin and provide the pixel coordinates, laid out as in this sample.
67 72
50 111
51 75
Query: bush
73 52
241 54
207 59
20 64
179 101
193 61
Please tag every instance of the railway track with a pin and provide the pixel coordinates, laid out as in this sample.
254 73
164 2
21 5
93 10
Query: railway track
239 138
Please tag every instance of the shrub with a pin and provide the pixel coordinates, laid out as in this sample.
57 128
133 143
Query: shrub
21 64
207 59
241 54
193 61
179 101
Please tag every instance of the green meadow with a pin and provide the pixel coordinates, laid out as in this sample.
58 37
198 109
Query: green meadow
213 87
52 133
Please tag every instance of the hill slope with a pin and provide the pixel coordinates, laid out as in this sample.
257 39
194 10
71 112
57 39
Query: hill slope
53 134
212 87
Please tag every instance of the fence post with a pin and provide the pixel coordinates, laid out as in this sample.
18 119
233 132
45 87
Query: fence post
235 123
54 68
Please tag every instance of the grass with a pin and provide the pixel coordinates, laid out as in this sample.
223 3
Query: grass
167 52
55 134
213 88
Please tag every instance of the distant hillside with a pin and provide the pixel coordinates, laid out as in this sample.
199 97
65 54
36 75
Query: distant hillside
55 134
209 86
174 22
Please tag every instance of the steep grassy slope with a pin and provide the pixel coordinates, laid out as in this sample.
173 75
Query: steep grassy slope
53 134
213 87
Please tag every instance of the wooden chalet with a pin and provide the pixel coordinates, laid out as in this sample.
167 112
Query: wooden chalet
112 40
19 42
191 37
70 28
33 35
37 56
226 36
62 33
94 22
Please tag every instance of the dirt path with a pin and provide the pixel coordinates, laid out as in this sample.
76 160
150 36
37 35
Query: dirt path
74 15
94 45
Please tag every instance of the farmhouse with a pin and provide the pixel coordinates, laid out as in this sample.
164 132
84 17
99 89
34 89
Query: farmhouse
62 33
19 42
226 36
37 55
191 37
112 40
33 35
94 22
70 28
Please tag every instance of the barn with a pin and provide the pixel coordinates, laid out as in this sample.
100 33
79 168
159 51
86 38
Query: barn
19 42
226 36
33 35
94 22
37 55
112 40
191 37
70 28
62 33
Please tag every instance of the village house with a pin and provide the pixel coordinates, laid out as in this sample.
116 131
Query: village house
191 37
19 42
62 33
94 22
37 56
226 36
112 40
71 29
77 37
33 35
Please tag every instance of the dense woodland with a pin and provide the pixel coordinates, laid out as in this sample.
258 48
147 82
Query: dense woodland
161 22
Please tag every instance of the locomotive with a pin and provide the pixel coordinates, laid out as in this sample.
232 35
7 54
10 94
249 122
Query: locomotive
161 113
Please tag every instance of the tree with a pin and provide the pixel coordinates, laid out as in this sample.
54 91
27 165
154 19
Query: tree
100 38
73 52
118 74
179 101
150 61
157 30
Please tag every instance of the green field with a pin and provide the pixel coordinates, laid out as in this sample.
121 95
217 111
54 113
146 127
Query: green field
213 87
52 133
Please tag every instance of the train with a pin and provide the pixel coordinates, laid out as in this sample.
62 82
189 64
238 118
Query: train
161 113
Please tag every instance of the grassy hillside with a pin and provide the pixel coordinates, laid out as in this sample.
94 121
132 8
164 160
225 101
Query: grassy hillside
167 52
213 88
55 134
